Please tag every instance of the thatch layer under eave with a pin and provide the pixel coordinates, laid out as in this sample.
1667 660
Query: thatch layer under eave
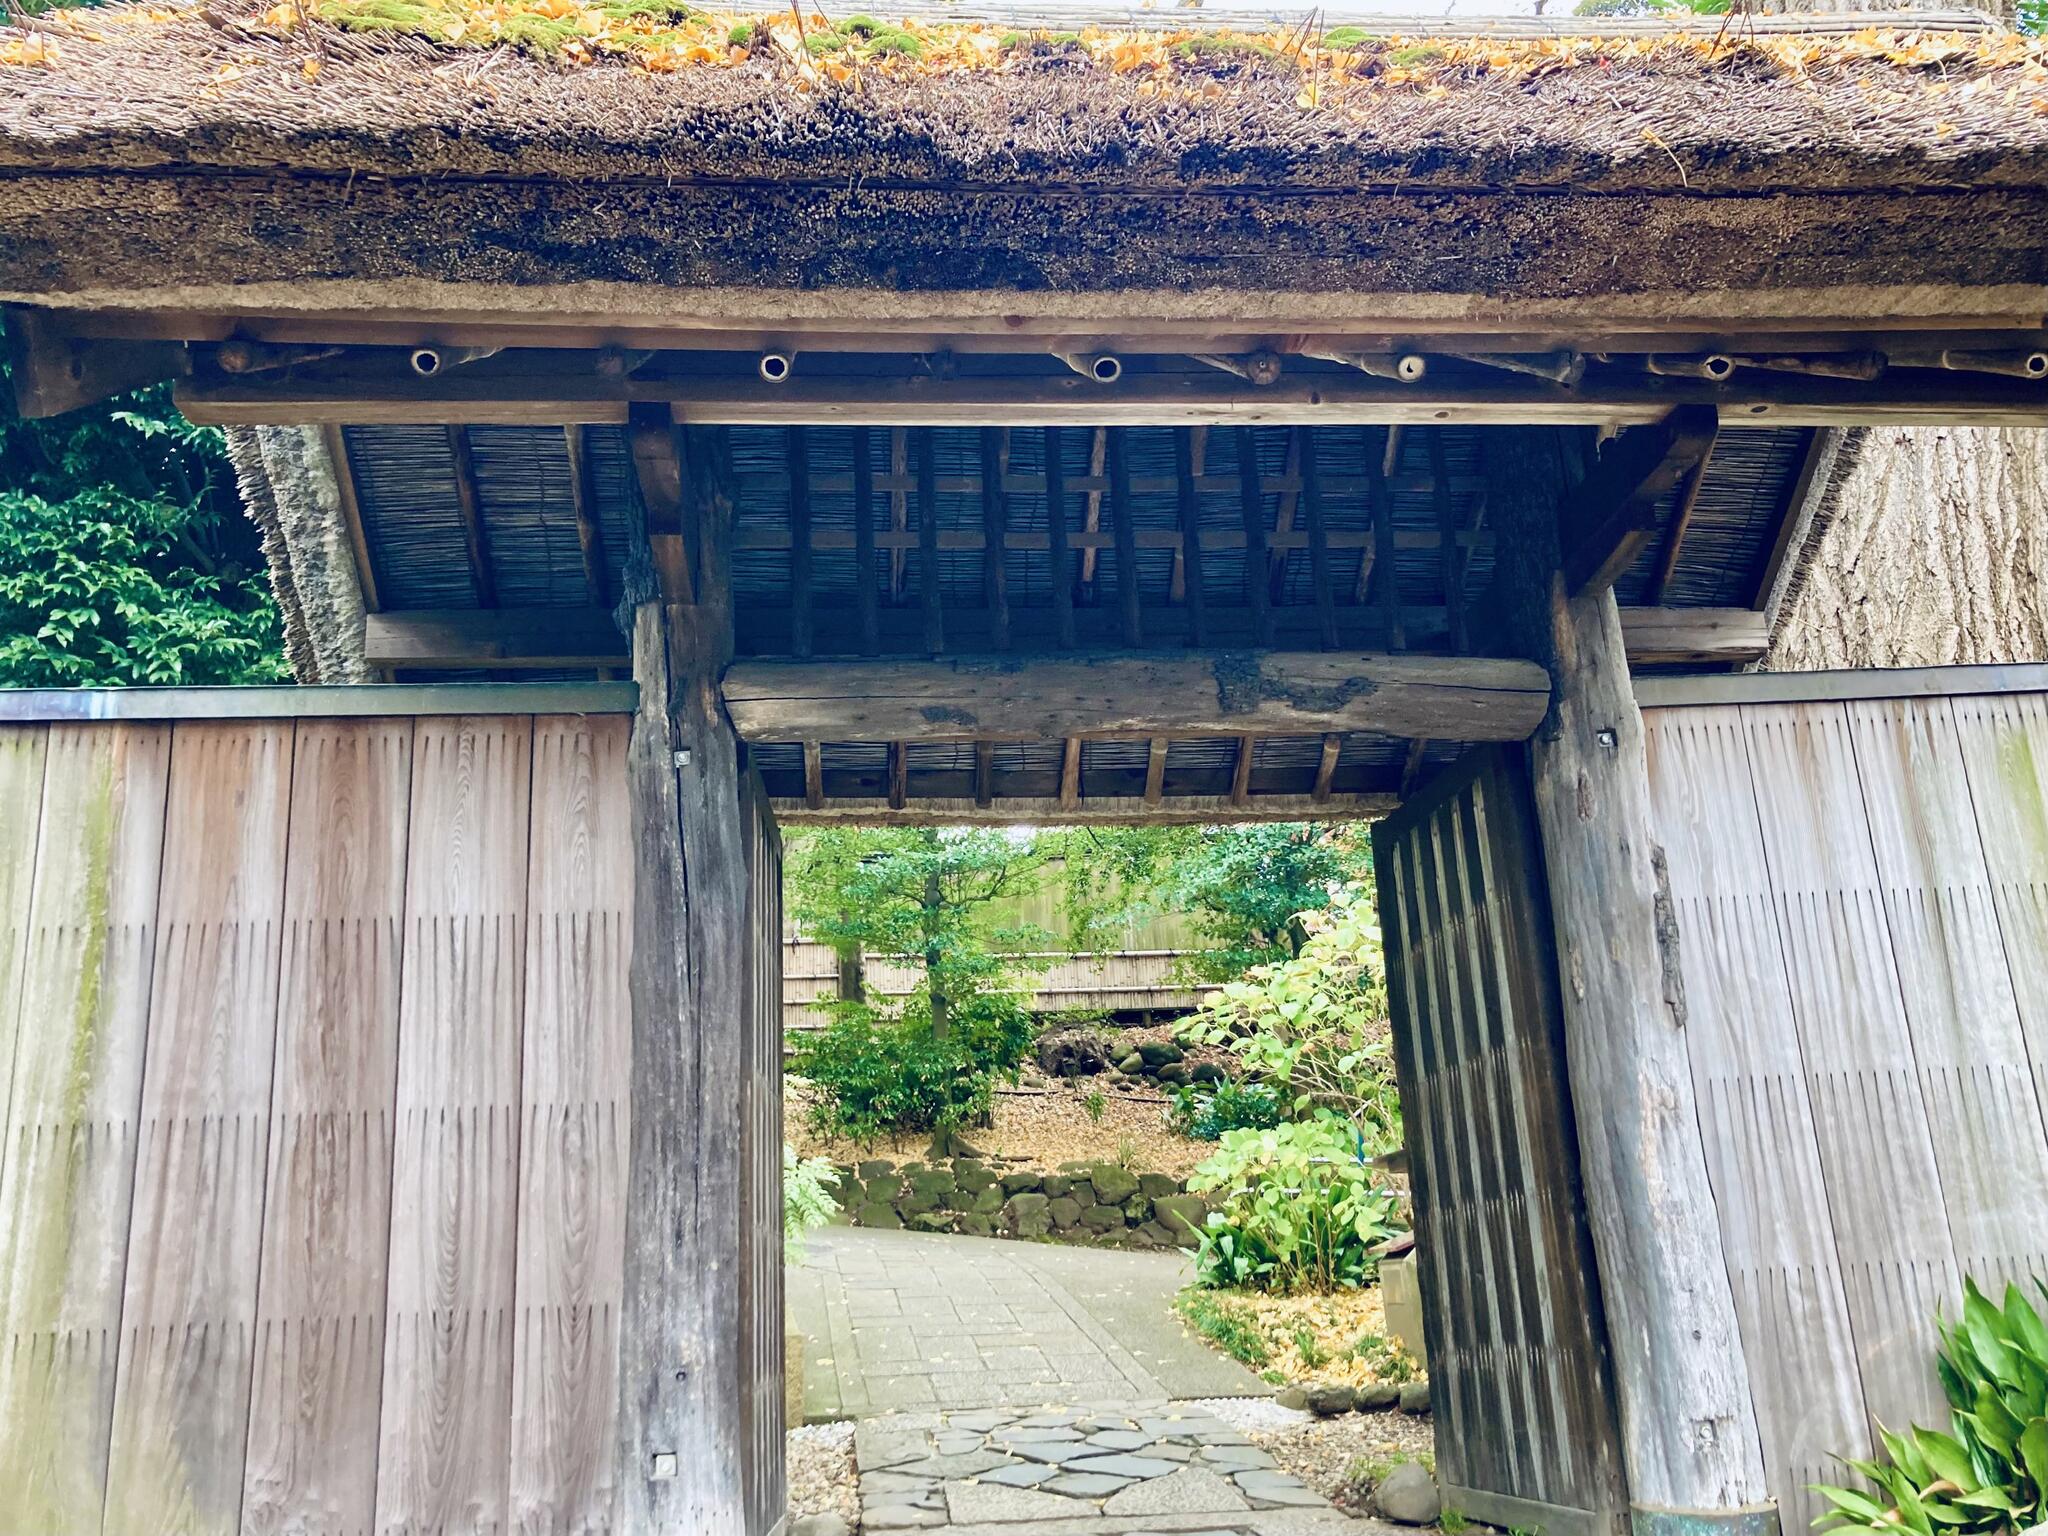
291 492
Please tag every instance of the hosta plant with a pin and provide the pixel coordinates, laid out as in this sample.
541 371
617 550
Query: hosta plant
1298 1208
1989 1472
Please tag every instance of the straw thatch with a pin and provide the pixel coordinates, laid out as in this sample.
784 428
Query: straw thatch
203 147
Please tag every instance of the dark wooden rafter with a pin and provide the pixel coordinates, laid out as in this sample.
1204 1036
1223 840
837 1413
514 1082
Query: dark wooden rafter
995 522
1818 454
1452 548
814 775
1241 770
1129 603
1303 447
583 505
930 585
1411 765
901 484
1326 766
475 541
1070 773
1155 769
1681 524
984 774
1188 553
1056 539
899 776
336 442
867 580
1290 492
1252 508
1612 512
800 628
1092 485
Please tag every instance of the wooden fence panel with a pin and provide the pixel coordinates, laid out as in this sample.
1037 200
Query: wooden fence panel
1750 1081
1527 1434
1975 1078
189 1309
70 1153
446 1439
1876 1147
22 750
312 1464
2005 754
576 1078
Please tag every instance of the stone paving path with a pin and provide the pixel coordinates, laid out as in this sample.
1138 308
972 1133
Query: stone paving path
1149 1468
909 1321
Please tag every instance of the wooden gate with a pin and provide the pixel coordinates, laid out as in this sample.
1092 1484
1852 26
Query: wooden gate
1527 1434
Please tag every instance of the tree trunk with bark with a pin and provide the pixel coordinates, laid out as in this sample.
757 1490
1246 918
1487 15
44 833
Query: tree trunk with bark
1937 554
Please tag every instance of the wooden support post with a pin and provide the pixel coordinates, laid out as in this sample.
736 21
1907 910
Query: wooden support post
1155 770
692 1327
1070 773
1689 1427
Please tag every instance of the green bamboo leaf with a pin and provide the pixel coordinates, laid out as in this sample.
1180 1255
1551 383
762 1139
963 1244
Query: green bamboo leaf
1945 1457
1986 1327
2033 1453
2028 1331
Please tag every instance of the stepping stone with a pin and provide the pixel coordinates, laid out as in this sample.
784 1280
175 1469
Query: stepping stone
874 1484
1236 1458
1171 1451
981 1421
1017 1474
1052 1418
971 1502
1056 1452
876 1447
1190 1491
956 1445
1121 1439
940 1467
1035 1434
1124 1465
899 1517
1088 1485
1267 1489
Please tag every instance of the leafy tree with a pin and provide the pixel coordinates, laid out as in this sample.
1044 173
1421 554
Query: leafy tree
1246 887
921 891
124 555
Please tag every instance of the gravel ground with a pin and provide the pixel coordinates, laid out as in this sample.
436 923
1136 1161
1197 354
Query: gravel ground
1322 1452
821 1475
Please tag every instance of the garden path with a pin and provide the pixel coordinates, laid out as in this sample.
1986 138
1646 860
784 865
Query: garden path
1005 1388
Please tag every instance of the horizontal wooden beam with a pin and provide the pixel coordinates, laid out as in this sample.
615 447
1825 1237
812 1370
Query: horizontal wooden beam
1108 810
1694 636
1137 694
509 639
499 639
520 394
54 372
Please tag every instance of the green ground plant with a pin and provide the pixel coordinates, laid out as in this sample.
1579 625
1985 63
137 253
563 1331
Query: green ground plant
807 1199
1990 1471
1298 1208
874 1076
1204 1111
1230 1326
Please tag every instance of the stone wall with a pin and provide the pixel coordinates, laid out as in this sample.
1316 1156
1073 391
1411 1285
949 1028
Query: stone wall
1100 1203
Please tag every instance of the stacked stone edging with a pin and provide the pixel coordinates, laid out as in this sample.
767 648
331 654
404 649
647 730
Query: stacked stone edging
1083 1202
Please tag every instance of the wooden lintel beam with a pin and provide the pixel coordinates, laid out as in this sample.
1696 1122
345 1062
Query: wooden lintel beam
475 541
54 371
1116 810
1612 513
511 638
1136 695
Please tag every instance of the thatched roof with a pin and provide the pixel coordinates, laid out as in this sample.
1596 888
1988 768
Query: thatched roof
228 145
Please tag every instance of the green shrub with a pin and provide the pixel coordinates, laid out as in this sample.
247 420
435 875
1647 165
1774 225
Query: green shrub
1231 1327
1205 1111
1300 1209
807 1199
1990 1472
876 1077
1314 1027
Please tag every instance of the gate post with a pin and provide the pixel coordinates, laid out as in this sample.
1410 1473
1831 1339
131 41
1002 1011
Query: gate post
1689 1431
700 1394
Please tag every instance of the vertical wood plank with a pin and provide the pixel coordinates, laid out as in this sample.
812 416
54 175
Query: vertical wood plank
22 751
1975 1078
762 1318
575 1084
181 1405
312 1460
1057 556
1757 1117
1876 1147
70 1156
445 1437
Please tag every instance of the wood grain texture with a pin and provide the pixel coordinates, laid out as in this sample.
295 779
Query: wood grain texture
188 1314
22 752
1876 1146
312 1457
762 1319
70 1152
445 1440
1751 1083
576 1083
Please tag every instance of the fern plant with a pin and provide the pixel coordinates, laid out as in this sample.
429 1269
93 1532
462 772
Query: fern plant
1989 1473
807 1199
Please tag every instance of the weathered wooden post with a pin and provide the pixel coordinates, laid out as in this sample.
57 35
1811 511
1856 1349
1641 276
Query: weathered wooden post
699 1320
1690 1439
